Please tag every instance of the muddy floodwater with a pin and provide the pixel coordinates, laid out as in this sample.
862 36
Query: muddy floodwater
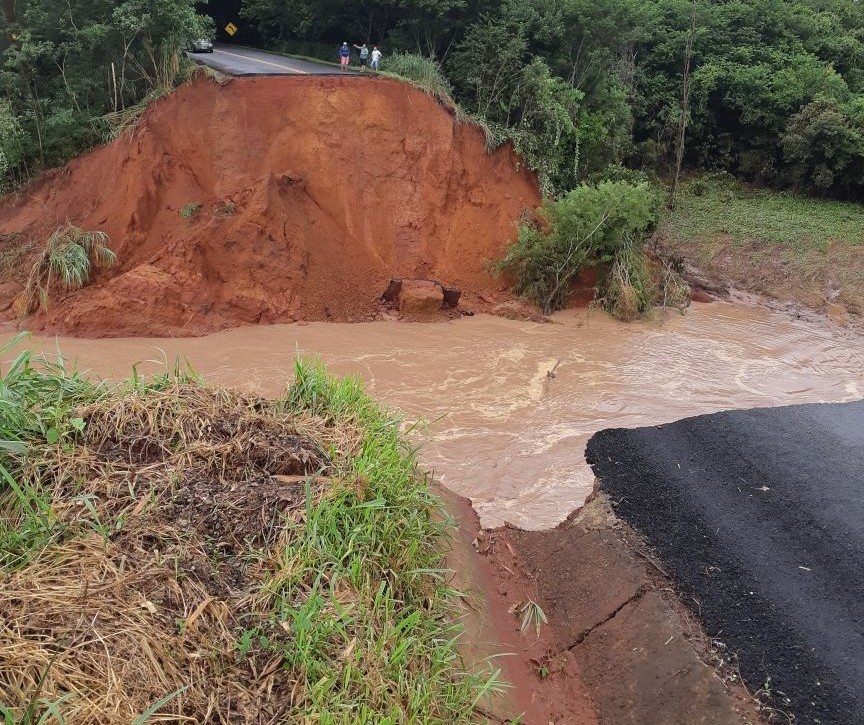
501 430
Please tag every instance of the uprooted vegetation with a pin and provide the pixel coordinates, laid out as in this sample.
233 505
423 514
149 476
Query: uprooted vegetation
604 226
218 557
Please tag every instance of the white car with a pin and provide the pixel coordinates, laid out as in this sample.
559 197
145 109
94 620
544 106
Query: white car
201 45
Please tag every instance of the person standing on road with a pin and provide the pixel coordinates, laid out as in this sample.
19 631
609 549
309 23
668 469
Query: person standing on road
376 57
364 55
344 55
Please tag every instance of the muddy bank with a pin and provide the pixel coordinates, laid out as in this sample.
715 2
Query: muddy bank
276 199
827 286
543 688
615 624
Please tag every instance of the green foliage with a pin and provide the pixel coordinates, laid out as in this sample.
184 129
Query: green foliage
189 210
423 73
64 65
11 146
628 291
718 205
36 402
66 261
824 145
379 541
579 85
546 134
590 225
776 94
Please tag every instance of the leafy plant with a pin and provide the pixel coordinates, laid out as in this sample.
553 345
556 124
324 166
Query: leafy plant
628 289
532 614
423 73
67 261
600 224
189 210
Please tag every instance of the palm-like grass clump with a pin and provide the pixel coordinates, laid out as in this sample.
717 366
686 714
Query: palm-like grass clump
67 261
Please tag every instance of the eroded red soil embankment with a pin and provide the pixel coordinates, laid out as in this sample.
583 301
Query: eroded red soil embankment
313 193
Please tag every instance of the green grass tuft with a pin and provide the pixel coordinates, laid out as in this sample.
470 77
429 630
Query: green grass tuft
67 260
423 73
187 211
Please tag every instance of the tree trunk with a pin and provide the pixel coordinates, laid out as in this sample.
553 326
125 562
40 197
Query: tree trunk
685 105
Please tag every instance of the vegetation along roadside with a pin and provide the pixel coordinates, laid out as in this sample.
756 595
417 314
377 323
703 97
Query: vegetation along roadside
170 547
787 246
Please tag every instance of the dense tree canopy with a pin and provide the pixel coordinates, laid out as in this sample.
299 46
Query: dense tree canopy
65 64
776 92
579 86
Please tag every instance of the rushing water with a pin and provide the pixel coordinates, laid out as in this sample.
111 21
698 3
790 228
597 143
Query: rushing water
503 432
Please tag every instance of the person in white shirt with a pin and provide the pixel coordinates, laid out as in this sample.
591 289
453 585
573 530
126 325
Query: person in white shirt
376 57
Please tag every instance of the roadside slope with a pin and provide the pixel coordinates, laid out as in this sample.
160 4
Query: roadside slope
303 197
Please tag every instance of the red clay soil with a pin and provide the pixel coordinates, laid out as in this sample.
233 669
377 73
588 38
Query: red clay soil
313 193
545 683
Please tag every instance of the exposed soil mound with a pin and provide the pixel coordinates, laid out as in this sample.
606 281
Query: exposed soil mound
302 197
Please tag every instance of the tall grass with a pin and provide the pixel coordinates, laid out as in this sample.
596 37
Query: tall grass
340 613
67 260
716 205
367 567
425 74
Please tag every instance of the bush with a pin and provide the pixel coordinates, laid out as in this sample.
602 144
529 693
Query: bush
189 210
628 288
824 146
592 224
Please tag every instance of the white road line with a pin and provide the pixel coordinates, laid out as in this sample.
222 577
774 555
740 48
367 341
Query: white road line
263 62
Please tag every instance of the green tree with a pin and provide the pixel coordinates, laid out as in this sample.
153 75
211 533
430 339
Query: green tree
72 61
592 224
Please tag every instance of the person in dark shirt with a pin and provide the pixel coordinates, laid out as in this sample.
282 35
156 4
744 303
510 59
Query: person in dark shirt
344 55
364 55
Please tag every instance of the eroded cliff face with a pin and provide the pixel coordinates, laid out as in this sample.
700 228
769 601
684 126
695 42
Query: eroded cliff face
302 197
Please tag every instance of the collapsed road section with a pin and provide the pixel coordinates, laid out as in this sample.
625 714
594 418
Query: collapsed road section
758 516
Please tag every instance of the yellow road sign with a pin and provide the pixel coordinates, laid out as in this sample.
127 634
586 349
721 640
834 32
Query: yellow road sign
231 29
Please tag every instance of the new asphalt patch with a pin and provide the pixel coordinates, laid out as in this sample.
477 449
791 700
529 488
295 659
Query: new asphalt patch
758 516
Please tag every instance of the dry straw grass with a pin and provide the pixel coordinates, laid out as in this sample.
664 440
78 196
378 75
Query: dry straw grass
184 494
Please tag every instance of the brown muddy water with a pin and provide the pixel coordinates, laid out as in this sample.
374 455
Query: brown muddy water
500 430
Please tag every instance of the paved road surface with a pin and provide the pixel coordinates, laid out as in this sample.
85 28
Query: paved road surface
759 517
244 61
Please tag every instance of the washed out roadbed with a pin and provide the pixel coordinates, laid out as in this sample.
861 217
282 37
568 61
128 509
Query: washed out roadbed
614 619
175 552
757 517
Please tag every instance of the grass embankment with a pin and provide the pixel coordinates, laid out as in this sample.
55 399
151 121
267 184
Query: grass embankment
782 245
218 557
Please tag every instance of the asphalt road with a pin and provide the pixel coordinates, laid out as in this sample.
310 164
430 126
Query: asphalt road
236 61
758 516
